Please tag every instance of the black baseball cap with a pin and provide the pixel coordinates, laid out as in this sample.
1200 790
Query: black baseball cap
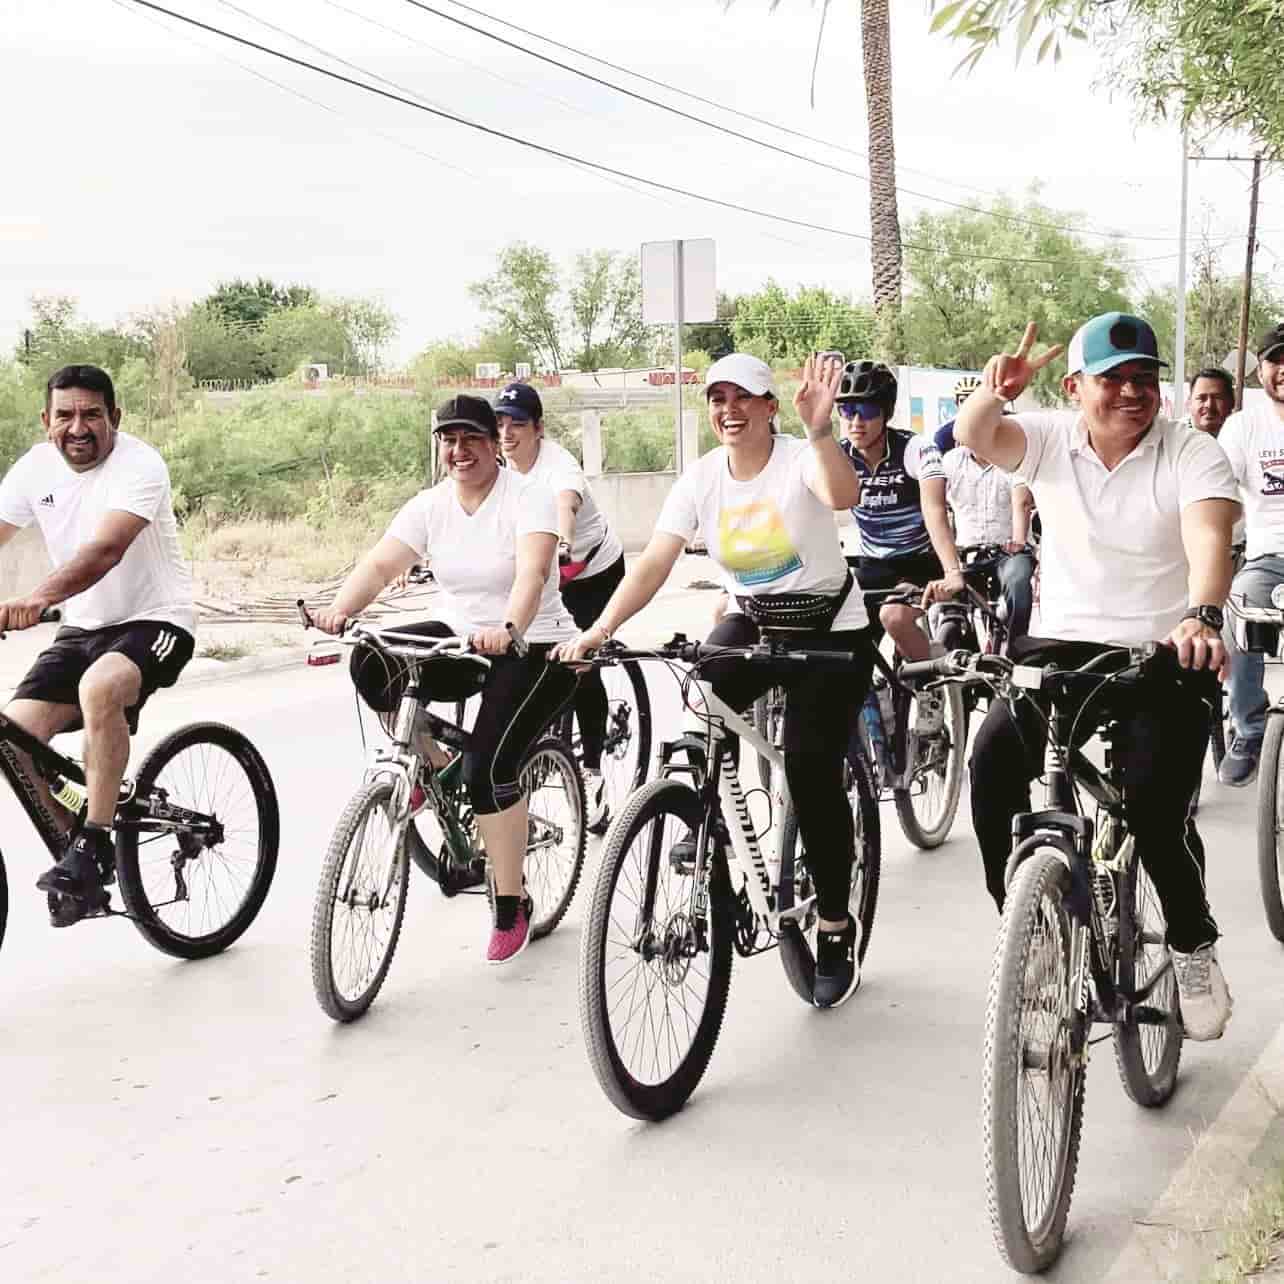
1269 345
521 402
464 411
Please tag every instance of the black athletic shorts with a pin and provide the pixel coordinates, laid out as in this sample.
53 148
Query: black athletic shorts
160 650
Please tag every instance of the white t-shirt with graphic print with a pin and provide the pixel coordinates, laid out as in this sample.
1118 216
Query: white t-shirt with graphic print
473 556
557 470
768 535
152 581
1253 440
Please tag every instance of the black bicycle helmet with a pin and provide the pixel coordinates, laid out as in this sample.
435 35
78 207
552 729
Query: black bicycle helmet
869 381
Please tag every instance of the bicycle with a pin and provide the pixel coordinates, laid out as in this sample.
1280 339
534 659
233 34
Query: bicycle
361 895
1258 628
203 787
683 882
1081 942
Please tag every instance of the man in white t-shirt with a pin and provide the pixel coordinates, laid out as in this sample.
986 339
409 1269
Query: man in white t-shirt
1253 440
1136 549
102 501
992 507
590 561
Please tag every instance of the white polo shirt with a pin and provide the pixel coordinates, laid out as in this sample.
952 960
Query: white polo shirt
1253 440
1114 567
980 496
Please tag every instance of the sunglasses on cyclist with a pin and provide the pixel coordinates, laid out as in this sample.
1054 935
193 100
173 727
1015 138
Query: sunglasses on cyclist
862 410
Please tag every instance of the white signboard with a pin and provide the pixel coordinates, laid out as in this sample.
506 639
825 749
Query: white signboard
699 295
522 370
487 370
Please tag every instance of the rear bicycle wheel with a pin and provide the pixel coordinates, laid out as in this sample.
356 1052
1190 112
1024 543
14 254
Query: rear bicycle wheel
926 809
1032 1075
655 969
626 751
191 895
1270 825
798 944
554 860
360 903
1146 1053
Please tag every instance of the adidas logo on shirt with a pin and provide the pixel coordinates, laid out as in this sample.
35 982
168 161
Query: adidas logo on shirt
164 644
47 501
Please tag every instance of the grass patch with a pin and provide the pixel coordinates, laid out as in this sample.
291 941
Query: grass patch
223 651
1254 1239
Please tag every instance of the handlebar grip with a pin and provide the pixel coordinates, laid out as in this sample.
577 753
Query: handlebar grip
945 666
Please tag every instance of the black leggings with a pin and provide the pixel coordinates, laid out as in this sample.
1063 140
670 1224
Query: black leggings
821 708
1164 734
520 697
586 598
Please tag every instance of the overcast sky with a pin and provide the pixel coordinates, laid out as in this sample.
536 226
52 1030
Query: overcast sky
143 164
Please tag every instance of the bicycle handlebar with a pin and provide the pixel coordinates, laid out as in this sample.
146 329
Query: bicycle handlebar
966 666
680 648
414 645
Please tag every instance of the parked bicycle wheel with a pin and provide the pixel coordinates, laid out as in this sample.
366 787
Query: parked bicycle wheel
798 955
768 722
192 895
1147 1053
1032 1081
555 832
359 906
1270 825
926 809
655 968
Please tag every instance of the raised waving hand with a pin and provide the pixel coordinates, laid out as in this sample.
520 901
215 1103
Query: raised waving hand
814 400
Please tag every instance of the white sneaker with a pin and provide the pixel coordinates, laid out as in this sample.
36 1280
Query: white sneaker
1205 998
599 814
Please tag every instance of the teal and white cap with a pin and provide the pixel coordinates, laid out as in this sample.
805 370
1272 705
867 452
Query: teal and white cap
1108 341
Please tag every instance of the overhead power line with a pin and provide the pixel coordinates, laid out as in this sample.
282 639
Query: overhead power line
571 159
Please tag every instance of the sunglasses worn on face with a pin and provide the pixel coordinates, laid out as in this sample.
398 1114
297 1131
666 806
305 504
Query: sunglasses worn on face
863 410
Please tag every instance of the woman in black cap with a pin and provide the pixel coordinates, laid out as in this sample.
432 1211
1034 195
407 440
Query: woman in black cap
491 537
590 560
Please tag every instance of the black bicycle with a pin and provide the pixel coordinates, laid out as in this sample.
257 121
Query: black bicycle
197 830
1082 940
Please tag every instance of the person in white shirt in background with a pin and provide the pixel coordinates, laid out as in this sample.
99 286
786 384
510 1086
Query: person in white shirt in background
1253 440
101 498
490 536
992 507
590 561
1136 549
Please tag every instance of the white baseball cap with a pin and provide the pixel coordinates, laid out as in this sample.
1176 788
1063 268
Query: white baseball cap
745 371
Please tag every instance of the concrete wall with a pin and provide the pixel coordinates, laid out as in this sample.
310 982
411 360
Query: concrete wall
631 503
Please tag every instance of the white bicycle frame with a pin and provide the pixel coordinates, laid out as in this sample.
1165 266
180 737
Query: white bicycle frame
714 722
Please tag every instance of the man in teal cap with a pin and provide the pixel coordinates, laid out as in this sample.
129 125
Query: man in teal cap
1137 514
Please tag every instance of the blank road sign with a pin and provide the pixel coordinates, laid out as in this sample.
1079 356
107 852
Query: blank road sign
659 282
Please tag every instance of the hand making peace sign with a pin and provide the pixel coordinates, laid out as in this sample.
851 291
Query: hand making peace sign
1009 374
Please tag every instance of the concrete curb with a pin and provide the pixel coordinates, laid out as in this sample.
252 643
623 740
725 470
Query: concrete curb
204 670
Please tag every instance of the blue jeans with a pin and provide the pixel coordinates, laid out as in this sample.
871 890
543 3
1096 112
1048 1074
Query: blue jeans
1248 699
1016 575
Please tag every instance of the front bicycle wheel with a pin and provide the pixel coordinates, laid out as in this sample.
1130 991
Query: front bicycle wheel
1270 825
1032 1073
359 906
927 807
1147 1050
554 791
191 895
626 750
655 956
798 943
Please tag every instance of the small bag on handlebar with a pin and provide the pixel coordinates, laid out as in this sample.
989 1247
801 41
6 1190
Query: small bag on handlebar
802 612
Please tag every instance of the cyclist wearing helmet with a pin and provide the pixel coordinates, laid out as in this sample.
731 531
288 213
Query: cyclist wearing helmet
905 535
965 387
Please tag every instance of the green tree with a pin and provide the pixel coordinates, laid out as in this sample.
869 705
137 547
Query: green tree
59 336
217 350
1212 62
717 338
604 299
960 311
292 337
522 298
250 303
787 327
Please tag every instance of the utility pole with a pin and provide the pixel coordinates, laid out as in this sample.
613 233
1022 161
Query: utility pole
1247 296
1179 356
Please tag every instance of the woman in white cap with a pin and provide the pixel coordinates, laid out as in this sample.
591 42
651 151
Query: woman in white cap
764 505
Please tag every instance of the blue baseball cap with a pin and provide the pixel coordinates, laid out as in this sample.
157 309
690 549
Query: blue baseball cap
1108 341
521 402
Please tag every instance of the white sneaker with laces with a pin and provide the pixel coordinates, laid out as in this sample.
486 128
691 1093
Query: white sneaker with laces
595 798
1206 1001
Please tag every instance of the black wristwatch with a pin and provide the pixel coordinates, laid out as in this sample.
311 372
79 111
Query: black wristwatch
1209 616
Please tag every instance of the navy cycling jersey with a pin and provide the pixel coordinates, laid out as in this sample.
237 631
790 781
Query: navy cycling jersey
889 515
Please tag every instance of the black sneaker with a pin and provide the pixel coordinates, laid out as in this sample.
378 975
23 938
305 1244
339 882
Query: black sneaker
837 971
79 874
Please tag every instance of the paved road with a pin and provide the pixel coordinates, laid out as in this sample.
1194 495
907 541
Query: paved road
206 1122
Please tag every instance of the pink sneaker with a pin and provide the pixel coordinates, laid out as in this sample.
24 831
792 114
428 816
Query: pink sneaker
507 943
